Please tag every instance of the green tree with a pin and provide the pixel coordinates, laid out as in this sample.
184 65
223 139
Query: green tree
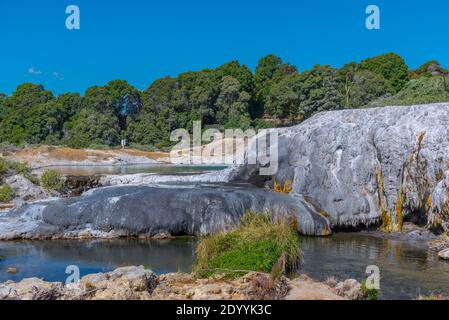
270 71
232 104
240 72
391 66
28 95
283 97
92 127
429 69
15 110
44 122
126 99
360 87
70 103
266 69
320 90
98 99
152 129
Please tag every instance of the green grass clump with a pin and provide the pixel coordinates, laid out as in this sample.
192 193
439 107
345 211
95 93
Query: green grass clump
370 294
6 193
19 167
51 180
14 167
260 243
3 167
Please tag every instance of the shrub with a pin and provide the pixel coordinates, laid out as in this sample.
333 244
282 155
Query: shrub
6 193
98 146
51 180
262 124
3 167
19 167
419 91
370 294
144 147
260 243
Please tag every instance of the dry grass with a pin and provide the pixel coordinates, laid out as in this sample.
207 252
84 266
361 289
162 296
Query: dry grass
69 154
140 153
51 152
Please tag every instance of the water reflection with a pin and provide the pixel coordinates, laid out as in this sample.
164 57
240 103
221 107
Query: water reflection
407 269
48 259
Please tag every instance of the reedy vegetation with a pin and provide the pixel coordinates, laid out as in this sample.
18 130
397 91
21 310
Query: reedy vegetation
259 243
228 96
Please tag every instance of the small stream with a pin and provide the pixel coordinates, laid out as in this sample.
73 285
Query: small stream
407 269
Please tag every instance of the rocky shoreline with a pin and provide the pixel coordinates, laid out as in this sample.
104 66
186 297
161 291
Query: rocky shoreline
138 283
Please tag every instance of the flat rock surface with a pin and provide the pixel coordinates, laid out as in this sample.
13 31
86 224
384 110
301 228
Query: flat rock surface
308 289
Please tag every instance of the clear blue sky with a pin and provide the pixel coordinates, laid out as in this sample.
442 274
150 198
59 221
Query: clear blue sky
141 41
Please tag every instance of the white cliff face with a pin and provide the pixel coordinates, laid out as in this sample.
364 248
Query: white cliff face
359 166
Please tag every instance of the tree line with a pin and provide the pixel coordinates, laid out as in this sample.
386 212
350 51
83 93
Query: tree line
230 96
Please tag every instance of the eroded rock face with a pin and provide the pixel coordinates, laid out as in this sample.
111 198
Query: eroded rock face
367 165
148 211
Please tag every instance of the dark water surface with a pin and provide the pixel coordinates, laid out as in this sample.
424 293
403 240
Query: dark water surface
49 259
406 269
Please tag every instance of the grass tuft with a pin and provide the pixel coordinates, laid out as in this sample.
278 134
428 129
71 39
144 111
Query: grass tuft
370 294
260 243
51 180
6 193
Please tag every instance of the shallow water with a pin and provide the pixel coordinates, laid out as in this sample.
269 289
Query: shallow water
133 169
406 269
49 259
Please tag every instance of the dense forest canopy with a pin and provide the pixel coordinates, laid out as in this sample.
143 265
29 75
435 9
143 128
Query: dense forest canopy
230 96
